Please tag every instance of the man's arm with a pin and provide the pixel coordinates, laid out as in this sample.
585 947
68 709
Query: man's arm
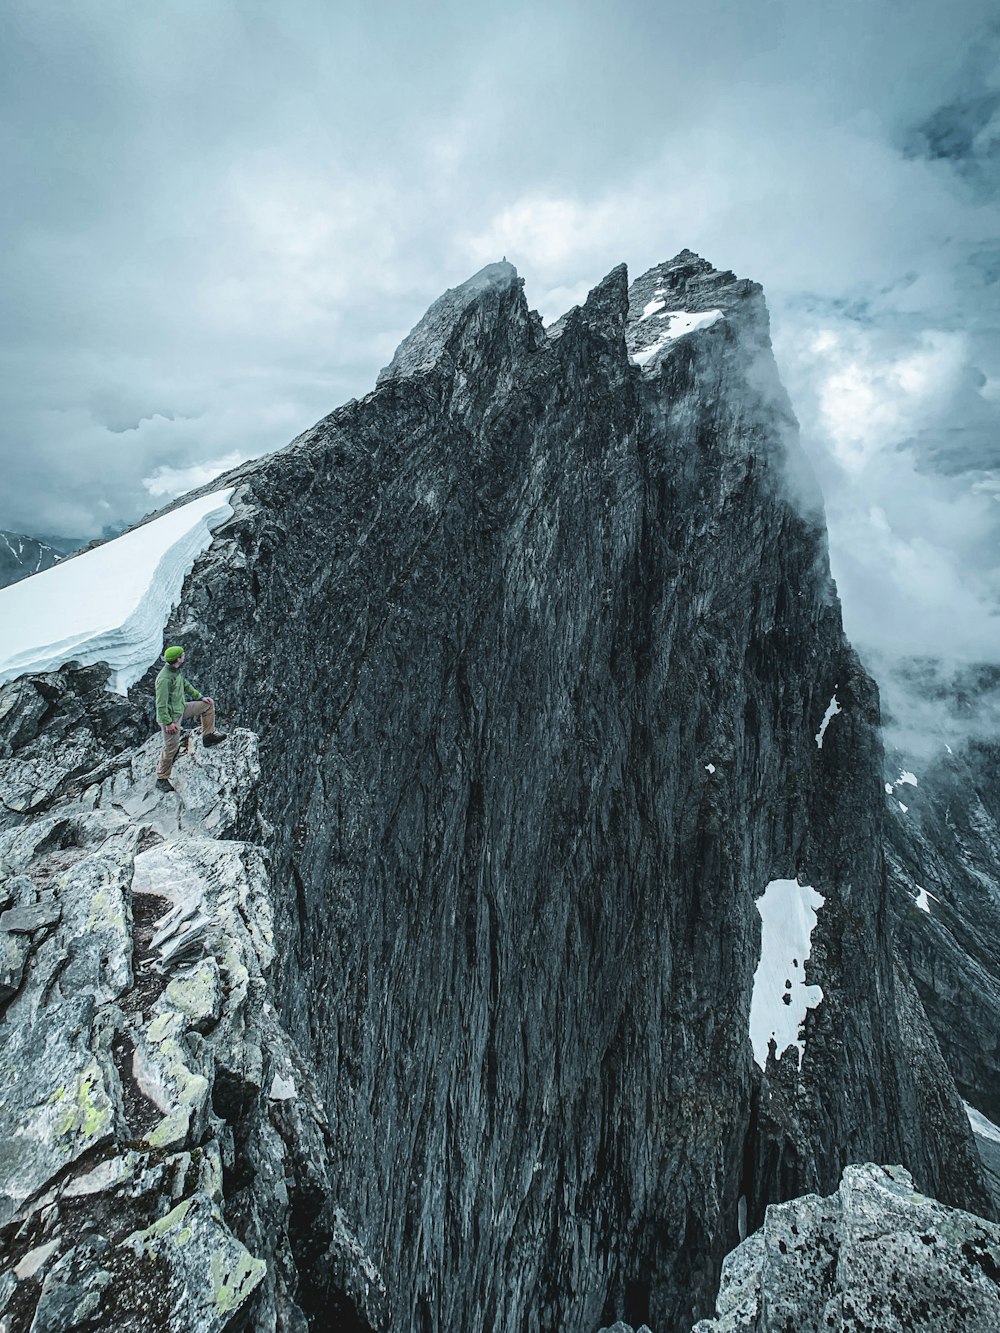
190 689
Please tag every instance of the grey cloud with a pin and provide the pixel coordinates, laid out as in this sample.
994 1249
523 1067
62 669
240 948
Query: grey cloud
954 131
218 225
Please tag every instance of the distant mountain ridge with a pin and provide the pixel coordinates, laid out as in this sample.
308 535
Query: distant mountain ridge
21 555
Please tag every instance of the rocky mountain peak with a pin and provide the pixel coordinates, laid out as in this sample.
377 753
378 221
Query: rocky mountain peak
594 331
685 295
606 307
693 283
552 692
457 319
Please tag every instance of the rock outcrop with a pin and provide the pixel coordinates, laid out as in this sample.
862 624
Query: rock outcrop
57 729
875 1255
541 645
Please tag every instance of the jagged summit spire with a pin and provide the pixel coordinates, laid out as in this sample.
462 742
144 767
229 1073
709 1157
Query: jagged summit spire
500 273
685 256
684 295
424 345
689 273
607 303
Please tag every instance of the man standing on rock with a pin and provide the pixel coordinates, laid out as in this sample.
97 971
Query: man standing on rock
172 707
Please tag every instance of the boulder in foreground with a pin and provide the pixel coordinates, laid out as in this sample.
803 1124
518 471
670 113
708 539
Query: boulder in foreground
875 1255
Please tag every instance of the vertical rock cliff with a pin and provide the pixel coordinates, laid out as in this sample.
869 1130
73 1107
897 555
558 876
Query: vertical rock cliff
539 638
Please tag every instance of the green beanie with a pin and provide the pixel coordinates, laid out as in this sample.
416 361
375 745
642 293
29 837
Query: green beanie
173 655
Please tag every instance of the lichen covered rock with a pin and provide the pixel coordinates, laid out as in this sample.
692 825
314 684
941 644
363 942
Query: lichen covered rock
147 1179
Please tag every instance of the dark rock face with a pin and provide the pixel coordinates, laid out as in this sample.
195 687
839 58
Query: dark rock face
494 623
943 856
947 844
21 555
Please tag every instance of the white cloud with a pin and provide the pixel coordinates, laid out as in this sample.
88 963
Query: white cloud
914 552
873 397
554 233
168 482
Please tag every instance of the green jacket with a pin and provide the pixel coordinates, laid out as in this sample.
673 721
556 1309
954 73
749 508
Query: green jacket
171 688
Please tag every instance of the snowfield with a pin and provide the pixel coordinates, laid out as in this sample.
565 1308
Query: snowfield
109 604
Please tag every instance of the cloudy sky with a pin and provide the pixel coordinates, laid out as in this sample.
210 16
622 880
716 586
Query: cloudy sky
219 218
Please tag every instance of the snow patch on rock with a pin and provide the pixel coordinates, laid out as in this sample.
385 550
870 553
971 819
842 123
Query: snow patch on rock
282 1089
679 322
781 996
833 707
923 898
984 1128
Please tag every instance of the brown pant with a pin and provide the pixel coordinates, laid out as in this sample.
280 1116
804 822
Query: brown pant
203 708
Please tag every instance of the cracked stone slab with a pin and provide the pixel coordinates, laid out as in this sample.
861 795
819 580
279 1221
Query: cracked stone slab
55 1101
26 920
73 1289
211 1275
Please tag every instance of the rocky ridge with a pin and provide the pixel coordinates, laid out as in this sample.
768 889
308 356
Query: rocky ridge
943 852
164 1160
22 556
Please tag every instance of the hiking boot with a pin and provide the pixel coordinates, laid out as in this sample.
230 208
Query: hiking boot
164 784
214 738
